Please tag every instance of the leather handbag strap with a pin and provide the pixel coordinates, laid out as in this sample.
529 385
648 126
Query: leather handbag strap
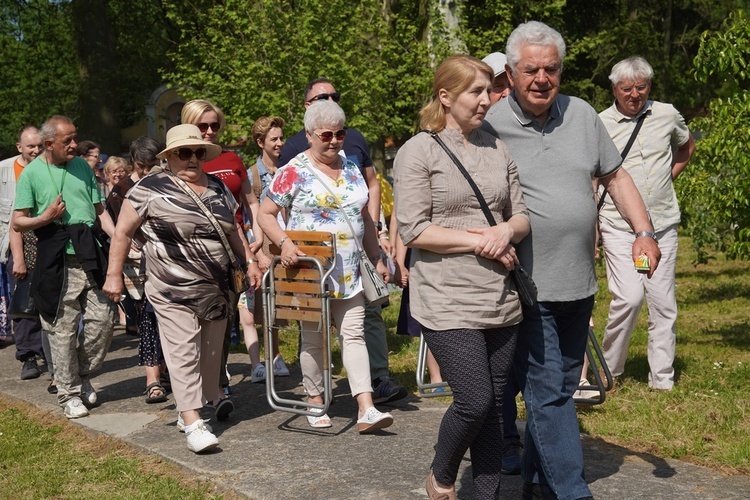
209 215
624 153
462 169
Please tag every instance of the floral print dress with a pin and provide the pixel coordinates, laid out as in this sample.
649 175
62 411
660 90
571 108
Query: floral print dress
312 208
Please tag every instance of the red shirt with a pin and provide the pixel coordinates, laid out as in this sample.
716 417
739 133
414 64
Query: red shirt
229 168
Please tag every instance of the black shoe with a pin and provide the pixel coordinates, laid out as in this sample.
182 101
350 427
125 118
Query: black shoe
387 390
223 409
533 491
512 459
30 369
52 388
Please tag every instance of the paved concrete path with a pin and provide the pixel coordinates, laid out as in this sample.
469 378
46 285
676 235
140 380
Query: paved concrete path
276 455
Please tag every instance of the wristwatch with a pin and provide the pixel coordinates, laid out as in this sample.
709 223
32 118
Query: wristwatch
379 226
646 233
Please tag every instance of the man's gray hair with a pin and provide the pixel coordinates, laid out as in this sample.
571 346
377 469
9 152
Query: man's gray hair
144 150
324 113
532 33
49 128
631 69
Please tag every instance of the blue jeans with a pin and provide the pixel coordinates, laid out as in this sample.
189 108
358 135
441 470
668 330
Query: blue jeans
548 362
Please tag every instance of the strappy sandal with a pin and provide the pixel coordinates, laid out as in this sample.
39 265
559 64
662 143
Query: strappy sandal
320 422
155 393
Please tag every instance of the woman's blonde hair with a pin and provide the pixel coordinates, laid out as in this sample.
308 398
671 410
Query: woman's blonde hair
193 110
455 75
114 162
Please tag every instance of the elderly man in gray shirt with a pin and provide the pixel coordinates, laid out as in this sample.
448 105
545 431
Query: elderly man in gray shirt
560 146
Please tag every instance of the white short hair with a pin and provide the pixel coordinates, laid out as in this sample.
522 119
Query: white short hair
631 69
532 33
324 113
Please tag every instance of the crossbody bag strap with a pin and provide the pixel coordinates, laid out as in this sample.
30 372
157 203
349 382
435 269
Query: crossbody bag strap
624 153
325 186
462 169
210 216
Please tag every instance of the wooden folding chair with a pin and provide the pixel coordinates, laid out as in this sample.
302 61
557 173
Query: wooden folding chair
300 294
428 390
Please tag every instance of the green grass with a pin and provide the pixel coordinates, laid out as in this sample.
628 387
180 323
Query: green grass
45 456
705 419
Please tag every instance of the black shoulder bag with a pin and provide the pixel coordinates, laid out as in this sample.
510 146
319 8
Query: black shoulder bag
624 154
525 286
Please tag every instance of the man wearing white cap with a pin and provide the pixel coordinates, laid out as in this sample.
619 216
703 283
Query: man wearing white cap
500 83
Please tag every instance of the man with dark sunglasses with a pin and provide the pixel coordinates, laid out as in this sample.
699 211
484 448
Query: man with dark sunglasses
355 148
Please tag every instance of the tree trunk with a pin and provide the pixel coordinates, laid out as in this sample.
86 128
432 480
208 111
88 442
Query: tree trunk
96 63
666 81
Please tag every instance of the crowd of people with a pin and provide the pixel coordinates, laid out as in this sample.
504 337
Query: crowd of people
506 172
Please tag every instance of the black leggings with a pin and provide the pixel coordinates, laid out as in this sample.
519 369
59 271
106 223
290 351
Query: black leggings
476 365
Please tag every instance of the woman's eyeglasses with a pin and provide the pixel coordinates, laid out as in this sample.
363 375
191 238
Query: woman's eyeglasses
327 136
324 97
185 154
203 127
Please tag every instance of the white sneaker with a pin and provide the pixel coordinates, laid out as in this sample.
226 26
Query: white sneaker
199 438
585 394
373 420
75 409
181 424
88 394
279 367
259 374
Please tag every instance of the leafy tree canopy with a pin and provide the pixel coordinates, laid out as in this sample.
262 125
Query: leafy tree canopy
255 58
715 196
37 70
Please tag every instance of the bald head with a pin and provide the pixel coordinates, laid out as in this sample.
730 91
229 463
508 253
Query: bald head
29 144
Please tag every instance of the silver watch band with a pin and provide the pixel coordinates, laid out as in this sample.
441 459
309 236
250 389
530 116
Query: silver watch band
646 233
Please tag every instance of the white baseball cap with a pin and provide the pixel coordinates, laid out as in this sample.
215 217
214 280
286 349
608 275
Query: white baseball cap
496 61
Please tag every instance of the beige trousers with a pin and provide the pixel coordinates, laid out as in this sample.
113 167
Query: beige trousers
192 350
348 316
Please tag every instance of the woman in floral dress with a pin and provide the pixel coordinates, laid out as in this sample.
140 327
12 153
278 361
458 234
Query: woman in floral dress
314 188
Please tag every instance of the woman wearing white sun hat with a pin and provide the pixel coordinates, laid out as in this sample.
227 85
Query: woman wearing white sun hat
187 270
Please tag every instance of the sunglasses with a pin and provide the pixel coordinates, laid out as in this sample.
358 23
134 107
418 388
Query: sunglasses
324 97
185 154
215 126
327 136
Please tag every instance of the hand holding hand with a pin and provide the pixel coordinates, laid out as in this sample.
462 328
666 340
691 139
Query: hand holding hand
494 241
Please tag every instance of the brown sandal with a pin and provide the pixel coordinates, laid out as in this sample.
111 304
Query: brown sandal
155 393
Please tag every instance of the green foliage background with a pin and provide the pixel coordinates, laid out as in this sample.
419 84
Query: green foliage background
254 58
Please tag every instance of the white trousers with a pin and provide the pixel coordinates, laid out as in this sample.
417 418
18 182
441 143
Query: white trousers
348 316
628 288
